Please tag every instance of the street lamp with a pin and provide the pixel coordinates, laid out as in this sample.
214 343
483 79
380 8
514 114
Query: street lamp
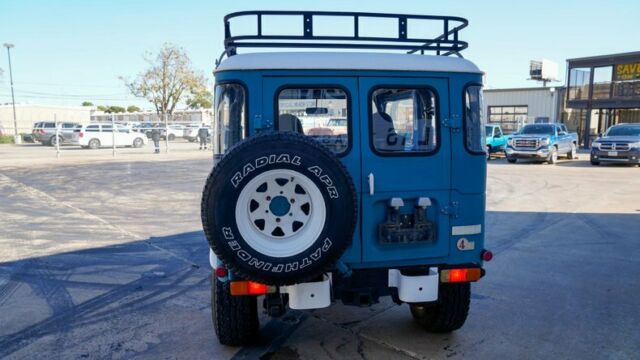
16 139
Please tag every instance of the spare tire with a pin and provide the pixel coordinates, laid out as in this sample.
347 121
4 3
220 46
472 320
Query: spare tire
279 209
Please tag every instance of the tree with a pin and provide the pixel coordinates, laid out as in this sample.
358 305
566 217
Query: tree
133 108
102 108
87 103
168 78
199 99
116 109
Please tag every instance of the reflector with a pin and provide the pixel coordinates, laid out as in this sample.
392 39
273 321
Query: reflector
239 288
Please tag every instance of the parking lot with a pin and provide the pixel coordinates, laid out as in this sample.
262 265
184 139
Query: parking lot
105 258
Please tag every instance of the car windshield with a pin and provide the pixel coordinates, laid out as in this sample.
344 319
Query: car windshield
537 129
623 131
488 130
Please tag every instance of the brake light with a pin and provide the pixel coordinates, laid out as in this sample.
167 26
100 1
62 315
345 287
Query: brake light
81 134
239 288
221 272
460 275
487 255
41 131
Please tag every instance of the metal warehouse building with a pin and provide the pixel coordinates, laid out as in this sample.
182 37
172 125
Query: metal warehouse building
512 108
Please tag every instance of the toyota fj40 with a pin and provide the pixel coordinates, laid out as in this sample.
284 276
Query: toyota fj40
391 204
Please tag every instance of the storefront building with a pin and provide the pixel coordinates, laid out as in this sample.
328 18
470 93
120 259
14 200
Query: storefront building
514 108
602 91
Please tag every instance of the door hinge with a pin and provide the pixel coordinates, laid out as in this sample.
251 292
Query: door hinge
451 209
454 122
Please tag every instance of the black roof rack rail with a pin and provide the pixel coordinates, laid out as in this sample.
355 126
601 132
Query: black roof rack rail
446 43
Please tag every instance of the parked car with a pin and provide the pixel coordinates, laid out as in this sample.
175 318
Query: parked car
94 136
191 133
496 140
176 131
542 142
394 207
45 132
619 144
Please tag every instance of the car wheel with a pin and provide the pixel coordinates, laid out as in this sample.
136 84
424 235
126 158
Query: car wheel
172 137
448 313
594 162
94 144
235 318
279 209
553 156
53 141
138 142
572 153
512 160
488 152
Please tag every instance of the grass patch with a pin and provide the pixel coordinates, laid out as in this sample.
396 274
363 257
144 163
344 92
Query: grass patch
6 139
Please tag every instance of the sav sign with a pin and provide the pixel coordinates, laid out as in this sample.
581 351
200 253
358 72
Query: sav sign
630 71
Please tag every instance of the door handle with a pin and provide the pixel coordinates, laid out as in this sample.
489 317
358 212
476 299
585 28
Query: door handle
371 184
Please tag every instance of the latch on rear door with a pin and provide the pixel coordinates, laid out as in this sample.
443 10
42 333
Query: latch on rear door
406 228
454 122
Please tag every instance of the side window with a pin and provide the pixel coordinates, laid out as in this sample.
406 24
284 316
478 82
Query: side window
107 128
229 116
403 120
321 113
68 125
93 128
473 120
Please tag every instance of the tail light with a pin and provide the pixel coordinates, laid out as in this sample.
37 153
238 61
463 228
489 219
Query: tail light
487 255
41 131
221 272
239 288
81 134
460 275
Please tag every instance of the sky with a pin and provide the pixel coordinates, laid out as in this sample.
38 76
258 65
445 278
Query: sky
69 51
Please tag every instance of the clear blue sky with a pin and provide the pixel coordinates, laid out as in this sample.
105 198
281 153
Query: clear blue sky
69 51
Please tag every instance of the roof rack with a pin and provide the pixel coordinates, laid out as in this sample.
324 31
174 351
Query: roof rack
446 43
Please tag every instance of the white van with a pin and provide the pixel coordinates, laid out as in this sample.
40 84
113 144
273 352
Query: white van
97 135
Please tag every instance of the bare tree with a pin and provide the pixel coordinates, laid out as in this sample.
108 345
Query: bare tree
168 79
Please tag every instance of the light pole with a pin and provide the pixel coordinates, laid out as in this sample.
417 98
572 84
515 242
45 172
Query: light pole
16 138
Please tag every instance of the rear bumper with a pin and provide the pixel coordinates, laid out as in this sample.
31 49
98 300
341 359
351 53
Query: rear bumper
623 157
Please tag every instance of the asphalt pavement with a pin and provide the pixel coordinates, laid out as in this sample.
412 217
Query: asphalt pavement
103 258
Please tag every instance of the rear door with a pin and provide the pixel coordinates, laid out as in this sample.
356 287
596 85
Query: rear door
306 104
405 155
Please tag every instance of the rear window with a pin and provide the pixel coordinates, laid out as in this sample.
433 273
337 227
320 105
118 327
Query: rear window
403 120
310 111
475 132
230 108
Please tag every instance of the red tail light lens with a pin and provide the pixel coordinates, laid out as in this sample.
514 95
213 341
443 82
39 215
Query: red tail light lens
239 288
487 255
81 134
221 272
41 131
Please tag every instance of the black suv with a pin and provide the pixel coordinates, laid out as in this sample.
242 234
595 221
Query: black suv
620 144
45 132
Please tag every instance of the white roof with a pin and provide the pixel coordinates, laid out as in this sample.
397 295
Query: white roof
346 61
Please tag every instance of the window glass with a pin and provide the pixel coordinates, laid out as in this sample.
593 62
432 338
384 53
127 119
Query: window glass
579 83
229 117
68 125
510 118
107 128
92 128
403 120
321 113
475 138
626 81
602 82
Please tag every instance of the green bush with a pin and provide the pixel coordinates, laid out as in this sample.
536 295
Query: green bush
6 139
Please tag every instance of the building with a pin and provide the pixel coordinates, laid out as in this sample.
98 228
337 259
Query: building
602 91
28 114
187 116
512 108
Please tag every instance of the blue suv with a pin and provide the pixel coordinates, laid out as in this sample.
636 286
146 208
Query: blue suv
306 211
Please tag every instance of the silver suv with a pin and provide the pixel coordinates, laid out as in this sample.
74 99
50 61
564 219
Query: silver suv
45 132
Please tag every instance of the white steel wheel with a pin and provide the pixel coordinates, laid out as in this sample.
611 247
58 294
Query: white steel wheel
280 213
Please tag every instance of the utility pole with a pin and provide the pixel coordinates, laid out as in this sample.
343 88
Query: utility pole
57 135
113 135
16 136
